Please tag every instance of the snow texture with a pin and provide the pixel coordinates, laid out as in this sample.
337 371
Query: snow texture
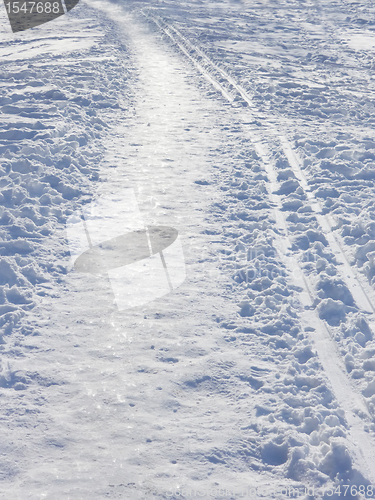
247 128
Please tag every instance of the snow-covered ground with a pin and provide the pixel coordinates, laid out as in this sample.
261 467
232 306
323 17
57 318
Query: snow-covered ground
248 128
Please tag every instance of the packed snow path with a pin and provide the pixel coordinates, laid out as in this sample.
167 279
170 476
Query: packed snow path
228 382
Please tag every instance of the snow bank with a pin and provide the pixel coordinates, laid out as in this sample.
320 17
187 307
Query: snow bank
52 123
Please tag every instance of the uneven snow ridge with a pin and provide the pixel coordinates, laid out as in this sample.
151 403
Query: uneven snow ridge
249 128
49 145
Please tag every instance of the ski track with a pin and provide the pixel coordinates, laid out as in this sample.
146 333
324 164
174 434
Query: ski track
361 291
348 398
356 411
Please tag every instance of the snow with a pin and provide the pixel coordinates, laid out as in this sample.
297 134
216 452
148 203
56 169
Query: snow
187 251
362 41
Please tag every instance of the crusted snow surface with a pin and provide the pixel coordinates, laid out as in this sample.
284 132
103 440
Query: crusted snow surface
248 128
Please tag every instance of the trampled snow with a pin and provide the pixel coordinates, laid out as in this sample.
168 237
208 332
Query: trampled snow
243 131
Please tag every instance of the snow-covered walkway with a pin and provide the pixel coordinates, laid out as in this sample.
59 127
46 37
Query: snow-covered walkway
223 385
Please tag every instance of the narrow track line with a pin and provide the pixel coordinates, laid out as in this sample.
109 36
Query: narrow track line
352 279
213 82
223 73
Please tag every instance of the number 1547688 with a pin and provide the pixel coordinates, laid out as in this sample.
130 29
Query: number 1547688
34 8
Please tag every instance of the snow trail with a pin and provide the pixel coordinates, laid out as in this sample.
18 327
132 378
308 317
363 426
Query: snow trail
356 410
117 388
216 386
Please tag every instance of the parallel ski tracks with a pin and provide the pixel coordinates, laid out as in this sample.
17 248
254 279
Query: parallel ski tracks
361 445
